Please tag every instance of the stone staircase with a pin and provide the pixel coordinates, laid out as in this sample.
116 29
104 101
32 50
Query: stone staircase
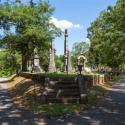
63 92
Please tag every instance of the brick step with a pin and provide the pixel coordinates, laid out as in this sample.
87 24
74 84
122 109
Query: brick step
63 94
73 89
70 90
61 82
64 86
70 94
64 100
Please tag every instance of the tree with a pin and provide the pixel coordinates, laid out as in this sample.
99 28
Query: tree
77 49
107 37
27 27
9 63
59 62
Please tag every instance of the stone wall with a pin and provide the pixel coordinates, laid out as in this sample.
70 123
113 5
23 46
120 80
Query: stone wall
56 89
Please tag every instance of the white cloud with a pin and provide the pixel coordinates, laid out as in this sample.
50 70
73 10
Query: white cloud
87 40
77 26
64 24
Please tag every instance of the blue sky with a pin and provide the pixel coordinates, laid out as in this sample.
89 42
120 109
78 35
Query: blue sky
80 13
76 16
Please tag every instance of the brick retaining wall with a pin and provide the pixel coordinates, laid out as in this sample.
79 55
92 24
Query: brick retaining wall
57 88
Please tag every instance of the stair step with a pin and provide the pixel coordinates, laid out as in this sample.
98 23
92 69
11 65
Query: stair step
68 85
70 90
62 90
61 82
63 94
70 95
64 100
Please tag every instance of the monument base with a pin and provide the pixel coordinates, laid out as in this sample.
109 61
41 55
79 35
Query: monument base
36 69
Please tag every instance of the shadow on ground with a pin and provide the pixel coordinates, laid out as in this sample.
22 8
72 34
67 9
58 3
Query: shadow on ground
11 115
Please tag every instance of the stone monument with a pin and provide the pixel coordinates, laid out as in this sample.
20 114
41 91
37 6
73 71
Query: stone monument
52 67
69 62
82 61
36 65
67 57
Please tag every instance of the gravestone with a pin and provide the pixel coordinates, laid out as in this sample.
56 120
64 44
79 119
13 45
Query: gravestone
52 67
82 60
36 65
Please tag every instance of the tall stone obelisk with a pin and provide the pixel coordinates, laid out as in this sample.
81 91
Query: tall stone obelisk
66 51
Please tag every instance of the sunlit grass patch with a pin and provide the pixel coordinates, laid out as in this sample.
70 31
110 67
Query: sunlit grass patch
59 109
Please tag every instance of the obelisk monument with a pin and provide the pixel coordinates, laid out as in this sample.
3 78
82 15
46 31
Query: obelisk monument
52 67
67 57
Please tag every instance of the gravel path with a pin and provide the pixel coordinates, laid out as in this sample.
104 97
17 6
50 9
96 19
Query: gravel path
111 111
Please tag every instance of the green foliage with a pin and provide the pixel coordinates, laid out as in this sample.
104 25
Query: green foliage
107 37
60 75
59 62
77 49
58 109
9 63
27 27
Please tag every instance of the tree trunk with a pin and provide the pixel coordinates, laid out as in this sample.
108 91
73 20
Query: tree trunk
25 58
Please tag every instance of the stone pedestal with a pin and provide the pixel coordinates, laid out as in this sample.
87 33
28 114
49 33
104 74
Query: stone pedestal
36 65
82 89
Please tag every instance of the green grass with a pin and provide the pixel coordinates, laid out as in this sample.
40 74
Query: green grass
116 78
59 109
65 76
61 75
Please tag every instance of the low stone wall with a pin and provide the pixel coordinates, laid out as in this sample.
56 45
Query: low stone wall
89 80
26 75
56 88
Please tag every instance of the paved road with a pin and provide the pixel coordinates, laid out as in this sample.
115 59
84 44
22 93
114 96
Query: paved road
110 112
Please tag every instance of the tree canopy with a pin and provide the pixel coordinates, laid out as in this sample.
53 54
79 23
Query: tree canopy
77 49
26 26
107 36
